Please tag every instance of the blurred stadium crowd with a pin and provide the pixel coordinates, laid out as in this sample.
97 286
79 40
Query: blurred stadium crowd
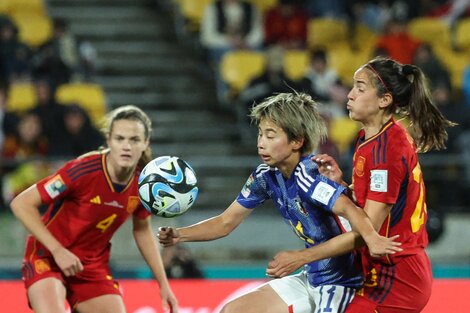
50 106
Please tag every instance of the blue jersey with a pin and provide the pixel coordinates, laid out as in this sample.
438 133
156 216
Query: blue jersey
306 201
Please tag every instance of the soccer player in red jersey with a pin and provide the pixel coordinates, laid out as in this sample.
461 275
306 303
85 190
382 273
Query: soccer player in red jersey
388 183
89 198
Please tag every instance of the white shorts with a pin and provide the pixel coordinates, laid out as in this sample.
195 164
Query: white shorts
297 293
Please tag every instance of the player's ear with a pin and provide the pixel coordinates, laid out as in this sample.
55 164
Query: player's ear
297 143
386 100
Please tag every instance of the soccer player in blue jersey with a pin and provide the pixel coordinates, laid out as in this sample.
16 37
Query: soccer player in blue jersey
290 128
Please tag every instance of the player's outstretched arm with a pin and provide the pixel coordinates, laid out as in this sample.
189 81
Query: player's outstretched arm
213 228
378 245
287 262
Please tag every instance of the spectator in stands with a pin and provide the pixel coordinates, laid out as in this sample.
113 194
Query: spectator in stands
231 25
15 55
58 57
82 135
28 141
320 78
8 120
273 80
397 42
432 67
51 115
286 25
454 111
179 263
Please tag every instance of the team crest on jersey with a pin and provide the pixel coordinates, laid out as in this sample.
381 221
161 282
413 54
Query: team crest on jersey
300 207
132 204
41 266
55 186
246 188
359 167
378 180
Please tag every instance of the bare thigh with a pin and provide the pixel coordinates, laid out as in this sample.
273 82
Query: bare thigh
261 300
102 304
47 296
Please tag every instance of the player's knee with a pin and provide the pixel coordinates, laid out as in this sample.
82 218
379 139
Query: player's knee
231 307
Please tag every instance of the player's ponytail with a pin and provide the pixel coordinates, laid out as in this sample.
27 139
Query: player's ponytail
411 98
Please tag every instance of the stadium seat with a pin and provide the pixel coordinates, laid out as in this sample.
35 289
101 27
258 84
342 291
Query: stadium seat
264 5
193 11
325 32
462 34
346 61
21 97
18 6
296 63
431 30
343 132
239 67
455 62
91 97
34 28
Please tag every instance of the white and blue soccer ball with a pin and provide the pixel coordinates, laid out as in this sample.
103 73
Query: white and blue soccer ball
167 186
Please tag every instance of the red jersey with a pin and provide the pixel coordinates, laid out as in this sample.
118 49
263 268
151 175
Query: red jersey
386 170
85 209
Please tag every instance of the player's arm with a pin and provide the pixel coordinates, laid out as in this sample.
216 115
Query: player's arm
359 219
210 229
25 208
147 245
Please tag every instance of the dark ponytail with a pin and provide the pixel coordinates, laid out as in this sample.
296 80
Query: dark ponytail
411 98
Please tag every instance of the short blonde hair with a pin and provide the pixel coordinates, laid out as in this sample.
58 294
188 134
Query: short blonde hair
297 114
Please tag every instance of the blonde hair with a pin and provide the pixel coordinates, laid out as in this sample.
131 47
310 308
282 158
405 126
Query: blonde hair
297 114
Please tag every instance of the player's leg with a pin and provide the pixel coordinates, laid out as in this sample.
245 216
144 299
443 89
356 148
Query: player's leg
103 304
47 296
285 295
261 300
332 298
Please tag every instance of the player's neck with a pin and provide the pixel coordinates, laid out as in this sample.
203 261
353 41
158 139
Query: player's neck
118 174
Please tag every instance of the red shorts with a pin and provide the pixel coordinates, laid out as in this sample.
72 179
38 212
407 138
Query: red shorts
92 282
404 287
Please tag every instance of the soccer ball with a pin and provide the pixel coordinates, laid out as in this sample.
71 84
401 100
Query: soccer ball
167 186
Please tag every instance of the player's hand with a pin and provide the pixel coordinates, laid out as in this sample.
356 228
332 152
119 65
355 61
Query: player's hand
169 302
168 236
380 246
327 166
284 263
68 262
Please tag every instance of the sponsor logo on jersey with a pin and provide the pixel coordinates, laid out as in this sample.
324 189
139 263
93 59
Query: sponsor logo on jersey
55 186
378 180
359 167
114 204
246 188
41 266
323 193
132 204
96 200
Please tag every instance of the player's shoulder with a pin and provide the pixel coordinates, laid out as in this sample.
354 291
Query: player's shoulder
85 164
262 169
306 167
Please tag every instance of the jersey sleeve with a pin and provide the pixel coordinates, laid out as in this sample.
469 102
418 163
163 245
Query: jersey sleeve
386 177
55 186
318 190
254 192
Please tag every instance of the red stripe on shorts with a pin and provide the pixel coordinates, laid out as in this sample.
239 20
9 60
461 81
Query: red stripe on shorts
291 308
